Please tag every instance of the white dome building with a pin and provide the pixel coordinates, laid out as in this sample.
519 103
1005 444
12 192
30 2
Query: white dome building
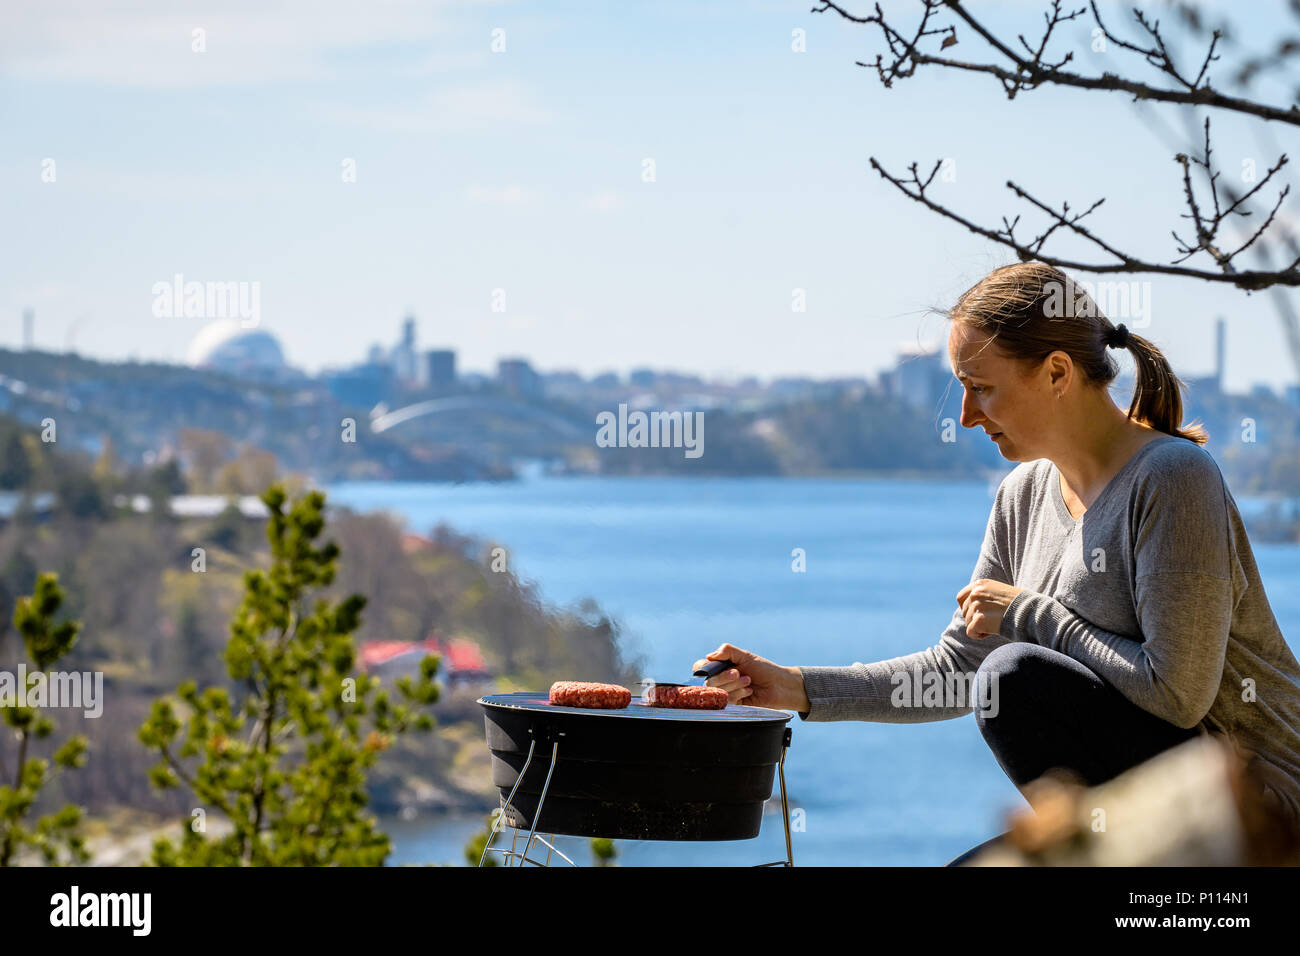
226 346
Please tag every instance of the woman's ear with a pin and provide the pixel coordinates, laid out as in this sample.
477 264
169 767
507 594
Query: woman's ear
1060 370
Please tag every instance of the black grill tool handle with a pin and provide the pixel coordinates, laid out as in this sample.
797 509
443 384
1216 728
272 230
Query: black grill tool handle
713 668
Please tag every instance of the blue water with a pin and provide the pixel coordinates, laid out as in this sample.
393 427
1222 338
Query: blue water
686 564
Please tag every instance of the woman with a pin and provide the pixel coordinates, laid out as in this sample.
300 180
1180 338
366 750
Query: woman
1115 609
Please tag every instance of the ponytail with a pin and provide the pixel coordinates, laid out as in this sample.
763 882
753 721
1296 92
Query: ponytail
1157 398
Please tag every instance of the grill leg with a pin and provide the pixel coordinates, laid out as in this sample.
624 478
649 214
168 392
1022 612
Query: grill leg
785 804
502 815
541 799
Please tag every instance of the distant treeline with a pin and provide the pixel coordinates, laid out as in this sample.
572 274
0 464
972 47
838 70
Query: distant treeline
151 620
231 436
842 433
143 408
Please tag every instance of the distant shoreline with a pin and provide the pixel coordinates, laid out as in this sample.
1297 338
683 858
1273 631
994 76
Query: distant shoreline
838 474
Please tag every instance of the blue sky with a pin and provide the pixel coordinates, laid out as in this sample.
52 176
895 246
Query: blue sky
522 171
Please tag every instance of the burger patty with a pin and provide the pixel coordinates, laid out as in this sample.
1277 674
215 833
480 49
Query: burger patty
577 693
697 698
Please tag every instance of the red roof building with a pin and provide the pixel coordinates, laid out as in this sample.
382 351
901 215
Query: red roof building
458 655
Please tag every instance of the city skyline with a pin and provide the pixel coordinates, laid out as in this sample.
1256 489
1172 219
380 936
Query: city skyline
478 172
918 376
449 373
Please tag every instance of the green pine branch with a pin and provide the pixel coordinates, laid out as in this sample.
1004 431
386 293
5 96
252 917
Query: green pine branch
54 836
287 764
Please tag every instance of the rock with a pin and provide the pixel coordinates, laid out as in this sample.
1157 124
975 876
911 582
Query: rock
1198 804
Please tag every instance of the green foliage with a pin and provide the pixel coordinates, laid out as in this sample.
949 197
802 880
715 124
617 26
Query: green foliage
46 641
17 576
165 479
474 848
159 484
80 496
603 852
16 468
226 527
287 764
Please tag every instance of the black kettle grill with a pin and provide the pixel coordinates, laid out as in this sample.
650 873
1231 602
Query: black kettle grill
638 772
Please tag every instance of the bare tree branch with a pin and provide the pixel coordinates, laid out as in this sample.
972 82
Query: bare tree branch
1252 65
1207 228
915 188
1030 72
1284 236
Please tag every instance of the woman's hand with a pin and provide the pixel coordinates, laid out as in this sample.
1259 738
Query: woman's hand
983 603
757 681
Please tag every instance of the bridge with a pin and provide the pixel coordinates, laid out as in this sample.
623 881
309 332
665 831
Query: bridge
477 403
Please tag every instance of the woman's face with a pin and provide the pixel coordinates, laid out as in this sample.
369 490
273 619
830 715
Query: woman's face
999 397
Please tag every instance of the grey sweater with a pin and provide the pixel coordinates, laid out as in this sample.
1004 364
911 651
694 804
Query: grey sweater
1155 589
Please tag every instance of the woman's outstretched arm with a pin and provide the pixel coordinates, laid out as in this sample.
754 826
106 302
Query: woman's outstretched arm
932 684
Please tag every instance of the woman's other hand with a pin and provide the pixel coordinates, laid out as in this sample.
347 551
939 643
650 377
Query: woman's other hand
983 603
756 681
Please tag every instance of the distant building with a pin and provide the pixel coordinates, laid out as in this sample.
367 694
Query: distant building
440 368
796 388
416 544
920 378
700 401
642 378
606 380
562 378
854 388
198 506
517 377
40 505
1293 396
362 385
226 346
678 380
405 365
1262 390
461 659
565 385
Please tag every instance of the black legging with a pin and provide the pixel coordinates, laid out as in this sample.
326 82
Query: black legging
1051 712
